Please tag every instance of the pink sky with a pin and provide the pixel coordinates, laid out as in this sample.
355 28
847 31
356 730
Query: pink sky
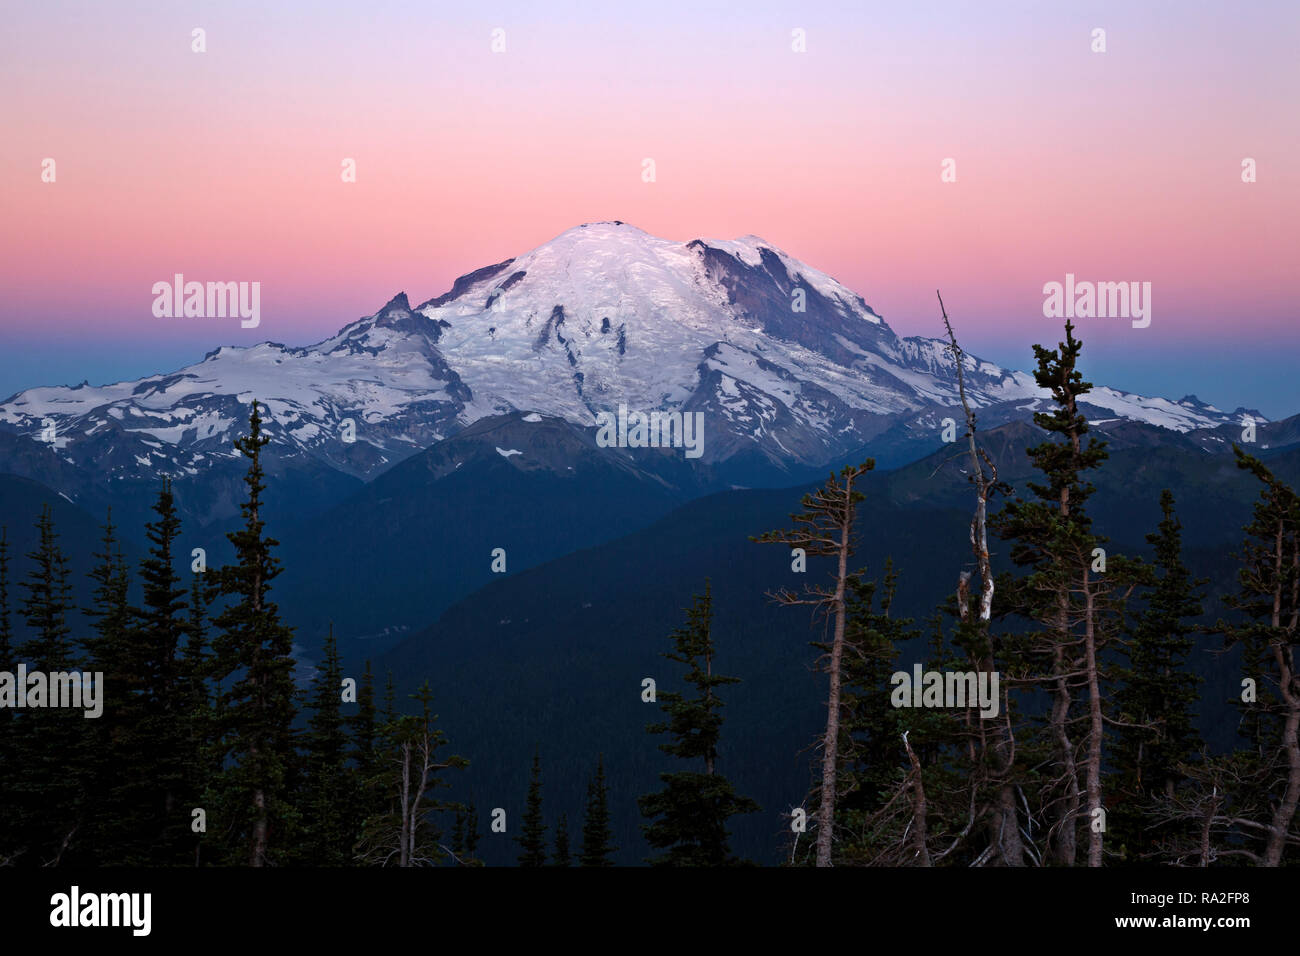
225 165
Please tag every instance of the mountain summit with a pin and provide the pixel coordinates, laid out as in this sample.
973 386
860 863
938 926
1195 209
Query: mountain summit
789 367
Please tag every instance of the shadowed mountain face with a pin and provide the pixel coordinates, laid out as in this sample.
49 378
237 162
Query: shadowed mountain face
394 555
790 370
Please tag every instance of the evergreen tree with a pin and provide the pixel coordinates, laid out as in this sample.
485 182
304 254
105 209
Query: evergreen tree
1268 598
1156 732
532 839
1242 806
874 765
1073 592
366 797
562 856
471 831
363 724
200 763
50 742
689 816
6 624
327 798
118 830
253 651
597 837
458 837
8 661
161 626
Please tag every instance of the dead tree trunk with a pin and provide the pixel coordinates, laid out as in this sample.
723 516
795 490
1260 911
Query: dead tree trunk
916 789
1093 768
831 739
1006 816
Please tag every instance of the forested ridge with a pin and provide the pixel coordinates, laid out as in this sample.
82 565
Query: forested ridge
215 748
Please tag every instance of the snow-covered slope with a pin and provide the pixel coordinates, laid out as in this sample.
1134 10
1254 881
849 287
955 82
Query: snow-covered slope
602 315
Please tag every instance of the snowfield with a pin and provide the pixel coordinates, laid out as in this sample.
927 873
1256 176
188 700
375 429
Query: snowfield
601 315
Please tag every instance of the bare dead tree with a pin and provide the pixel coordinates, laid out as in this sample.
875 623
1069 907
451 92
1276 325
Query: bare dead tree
984 476
398 836
916 788
984 481
1219 814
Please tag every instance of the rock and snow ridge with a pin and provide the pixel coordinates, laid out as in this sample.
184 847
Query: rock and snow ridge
604 314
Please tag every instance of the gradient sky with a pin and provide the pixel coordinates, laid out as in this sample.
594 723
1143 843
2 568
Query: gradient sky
225 165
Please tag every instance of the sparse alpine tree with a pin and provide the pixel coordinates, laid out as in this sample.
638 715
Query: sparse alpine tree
1078 608
825 527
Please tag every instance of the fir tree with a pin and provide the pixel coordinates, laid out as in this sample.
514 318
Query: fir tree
327 799
1073 591
50 742
471 831
1242 806
161 626
200 763
597 837
532 839
253 651
8 661
118 831
689 816
1268 598
363 725
872 759
1156 733
6 621
458 837
562 856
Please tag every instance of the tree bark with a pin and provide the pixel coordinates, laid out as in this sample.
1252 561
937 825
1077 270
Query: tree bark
1093 769
830 743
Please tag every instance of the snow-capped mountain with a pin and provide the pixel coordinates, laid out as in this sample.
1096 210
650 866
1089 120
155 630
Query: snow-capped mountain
788 366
